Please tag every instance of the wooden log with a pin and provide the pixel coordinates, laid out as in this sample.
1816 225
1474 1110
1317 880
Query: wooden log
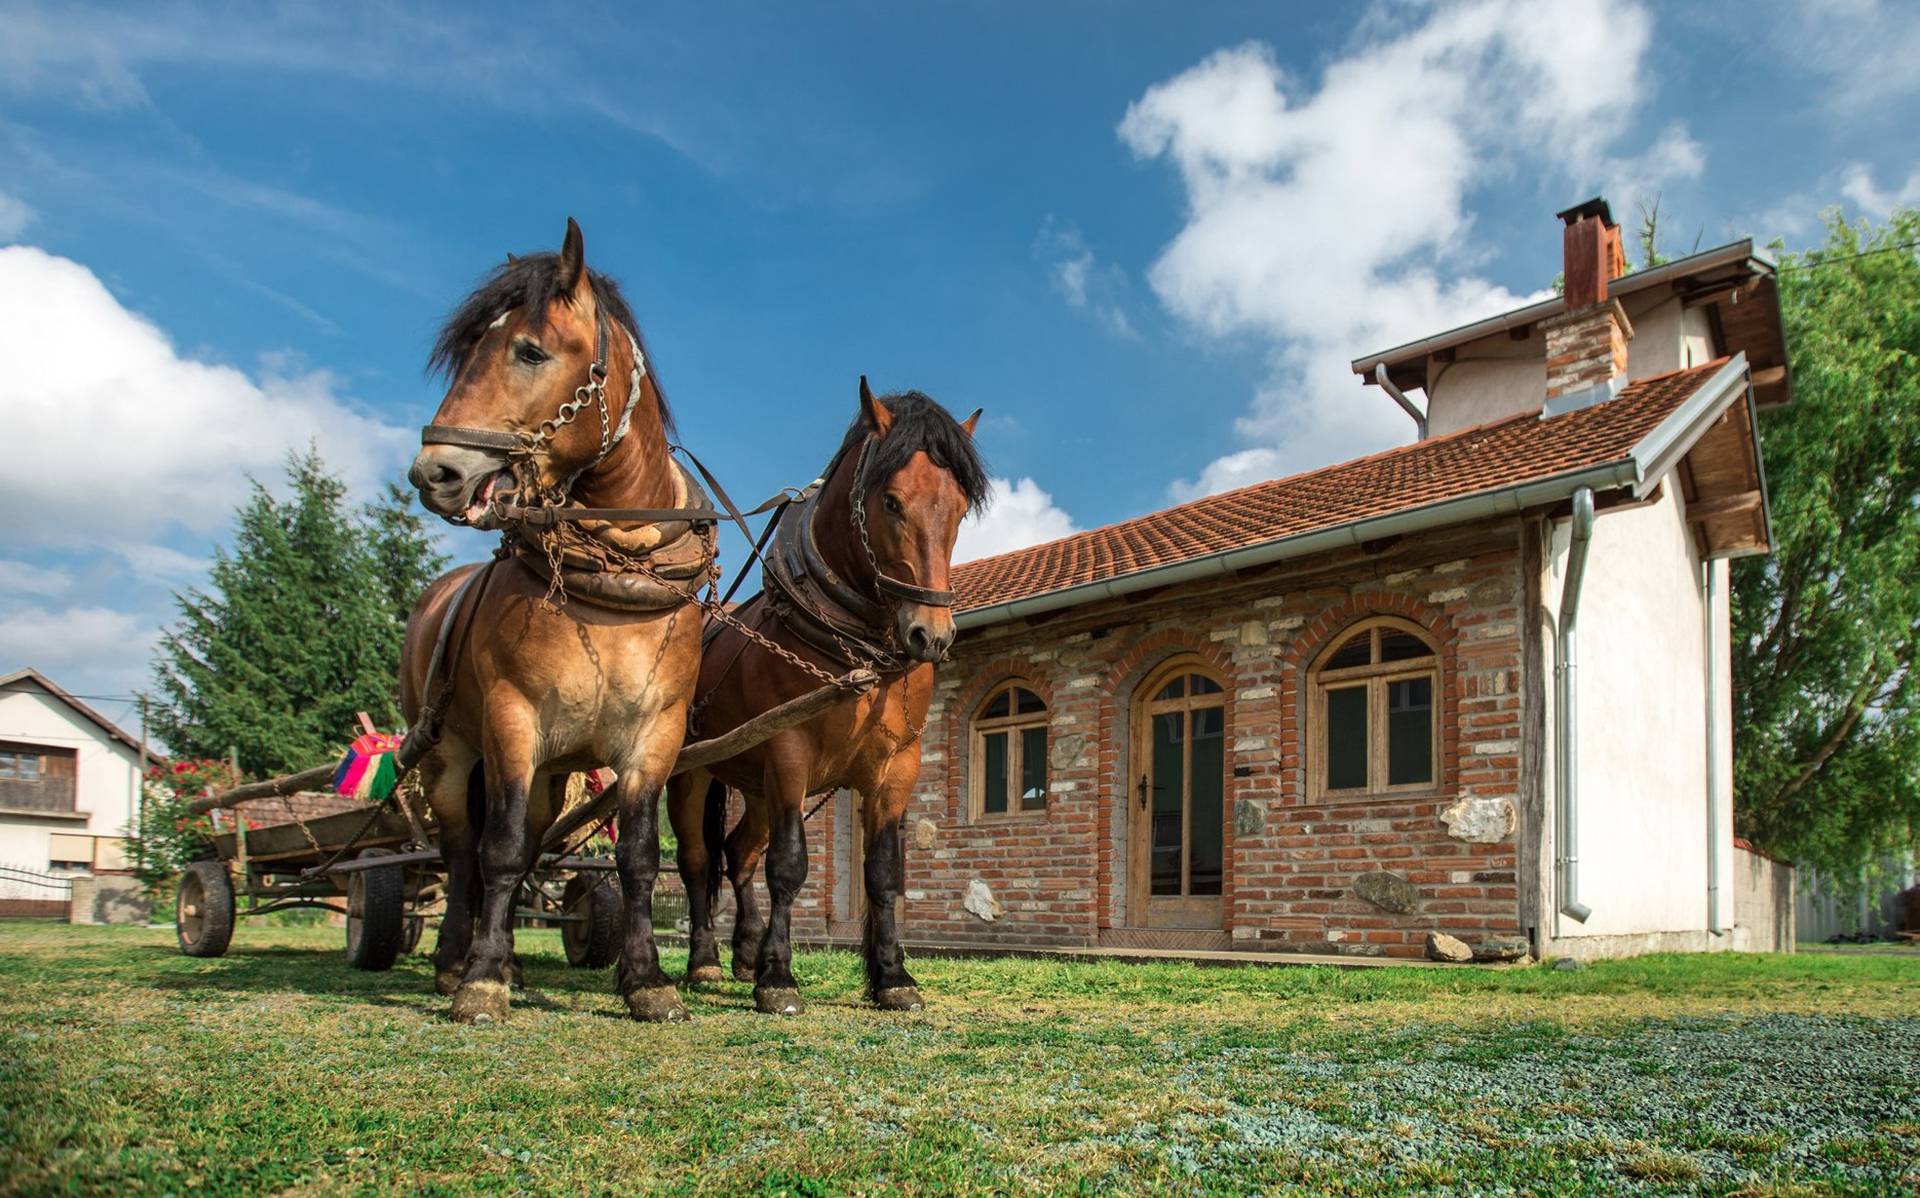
286 784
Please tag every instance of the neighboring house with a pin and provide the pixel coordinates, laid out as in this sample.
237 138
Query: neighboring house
1321 713
69 779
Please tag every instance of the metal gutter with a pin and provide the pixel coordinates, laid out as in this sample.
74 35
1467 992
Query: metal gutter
1708 594
1400 397
1733 252
1645 464
1566 757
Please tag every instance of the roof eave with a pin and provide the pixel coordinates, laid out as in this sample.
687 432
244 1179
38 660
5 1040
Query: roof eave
1732 252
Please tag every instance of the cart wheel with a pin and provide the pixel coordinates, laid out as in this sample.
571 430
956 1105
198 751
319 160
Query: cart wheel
203 909
593 941
410 936
376 913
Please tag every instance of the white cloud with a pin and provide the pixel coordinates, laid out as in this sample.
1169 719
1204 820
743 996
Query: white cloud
25 578
15 216
80 646
1859 186
1322 223
1086 283
1019 513
120 436
1866 49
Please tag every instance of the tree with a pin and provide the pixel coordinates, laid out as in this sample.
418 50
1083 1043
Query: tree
297 630
1827 760
404 556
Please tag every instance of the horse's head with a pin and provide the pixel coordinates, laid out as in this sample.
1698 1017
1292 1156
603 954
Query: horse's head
519 353
917 476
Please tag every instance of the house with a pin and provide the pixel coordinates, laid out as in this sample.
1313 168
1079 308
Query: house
69 780
1476 685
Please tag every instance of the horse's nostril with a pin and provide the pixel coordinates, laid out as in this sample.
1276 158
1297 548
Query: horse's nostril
917 639
440 474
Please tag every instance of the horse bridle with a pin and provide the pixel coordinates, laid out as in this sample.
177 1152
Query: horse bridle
520 445
882 581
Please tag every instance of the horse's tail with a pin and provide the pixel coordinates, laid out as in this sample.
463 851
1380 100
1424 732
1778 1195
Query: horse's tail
714 829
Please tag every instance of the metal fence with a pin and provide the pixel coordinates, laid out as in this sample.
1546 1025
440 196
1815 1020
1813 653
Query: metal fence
33 893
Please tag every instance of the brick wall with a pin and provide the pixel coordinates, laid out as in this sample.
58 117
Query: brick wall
1059 876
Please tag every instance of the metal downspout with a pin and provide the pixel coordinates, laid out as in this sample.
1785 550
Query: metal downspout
1709 592
1566 781
1400 397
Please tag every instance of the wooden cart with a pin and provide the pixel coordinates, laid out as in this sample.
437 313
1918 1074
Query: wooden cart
379 867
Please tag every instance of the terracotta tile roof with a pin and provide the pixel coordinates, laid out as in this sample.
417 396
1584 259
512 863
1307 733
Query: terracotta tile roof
1485 458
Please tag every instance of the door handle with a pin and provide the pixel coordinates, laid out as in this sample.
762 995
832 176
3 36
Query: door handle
1144 786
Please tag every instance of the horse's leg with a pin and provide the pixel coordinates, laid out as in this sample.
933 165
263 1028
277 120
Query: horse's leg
889 984
506 852
774 990
649 993
450 778
686 806
744 846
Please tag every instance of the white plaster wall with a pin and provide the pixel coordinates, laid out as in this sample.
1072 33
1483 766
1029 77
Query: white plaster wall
1642 729
1666 336
107 774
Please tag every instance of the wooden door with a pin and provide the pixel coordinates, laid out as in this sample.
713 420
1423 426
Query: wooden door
1177 819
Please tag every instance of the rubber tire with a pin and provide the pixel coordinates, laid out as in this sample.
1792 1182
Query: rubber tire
382 914
214 886
595 942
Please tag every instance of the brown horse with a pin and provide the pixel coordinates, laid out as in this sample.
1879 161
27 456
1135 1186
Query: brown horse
856 577
525 690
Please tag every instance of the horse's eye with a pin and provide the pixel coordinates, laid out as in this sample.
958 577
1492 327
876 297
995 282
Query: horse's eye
893 506
530 353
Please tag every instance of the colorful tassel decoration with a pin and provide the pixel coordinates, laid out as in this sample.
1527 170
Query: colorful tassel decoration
367 771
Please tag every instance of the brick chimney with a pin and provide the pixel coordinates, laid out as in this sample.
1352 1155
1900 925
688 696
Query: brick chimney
1587 344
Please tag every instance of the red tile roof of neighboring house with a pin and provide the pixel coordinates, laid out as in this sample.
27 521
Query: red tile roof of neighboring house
1484 458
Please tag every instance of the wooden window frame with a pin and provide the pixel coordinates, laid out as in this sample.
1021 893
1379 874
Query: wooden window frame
1013 723
1375 676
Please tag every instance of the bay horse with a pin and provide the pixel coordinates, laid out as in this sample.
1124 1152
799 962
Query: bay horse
856 576
522 690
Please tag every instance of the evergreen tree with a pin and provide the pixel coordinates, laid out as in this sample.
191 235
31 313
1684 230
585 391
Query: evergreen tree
1827 706
296 630
404 556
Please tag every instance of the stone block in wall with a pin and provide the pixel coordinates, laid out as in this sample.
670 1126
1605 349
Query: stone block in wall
1388 891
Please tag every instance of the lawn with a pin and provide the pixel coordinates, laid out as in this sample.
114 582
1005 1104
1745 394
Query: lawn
126 1067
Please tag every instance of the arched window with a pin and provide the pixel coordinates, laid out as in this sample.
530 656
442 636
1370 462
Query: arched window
1009 753
1372 707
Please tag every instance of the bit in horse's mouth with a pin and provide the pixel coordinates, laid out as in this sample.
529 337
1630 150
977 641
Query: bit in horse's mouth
483 497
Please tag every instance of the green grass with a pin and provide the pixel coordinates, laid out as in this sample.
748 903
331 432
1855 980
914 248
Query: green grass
125 1067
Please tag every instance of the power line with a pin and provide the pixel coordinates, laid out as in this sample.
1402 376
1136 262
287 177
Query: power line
1827 259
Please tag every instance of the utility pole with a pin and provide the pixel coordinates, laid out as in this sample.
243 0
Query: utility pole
140 784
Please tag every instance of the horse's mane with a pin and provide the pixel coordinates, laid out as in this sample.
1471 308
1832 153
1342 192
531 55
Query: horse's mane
531 281
919 423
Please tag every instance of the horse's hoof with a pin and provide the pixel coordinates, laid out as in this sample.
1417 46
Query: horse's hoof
656 1004
446 982
515 976
705 975
480 1002
778 1000
899 998
742 971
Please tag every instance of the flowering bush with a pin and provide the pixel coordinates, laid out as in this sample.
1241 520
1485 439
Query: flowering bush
168 837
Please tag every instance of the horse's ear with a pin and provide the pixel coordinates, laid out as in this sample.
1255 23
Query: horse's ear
968 424
511 259
878 417
573 257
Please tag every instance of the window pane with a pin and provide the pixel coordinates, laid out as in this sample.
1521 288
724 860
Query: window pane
994 749
1177 689
1025 701
1203 685
1169 731
1358 651
1033 768
1207 788
1347 738
1399 646
1409 731
1001 705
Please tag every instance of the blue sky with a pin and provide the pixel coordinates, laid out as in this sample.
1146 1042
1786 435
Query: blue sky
1144 238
